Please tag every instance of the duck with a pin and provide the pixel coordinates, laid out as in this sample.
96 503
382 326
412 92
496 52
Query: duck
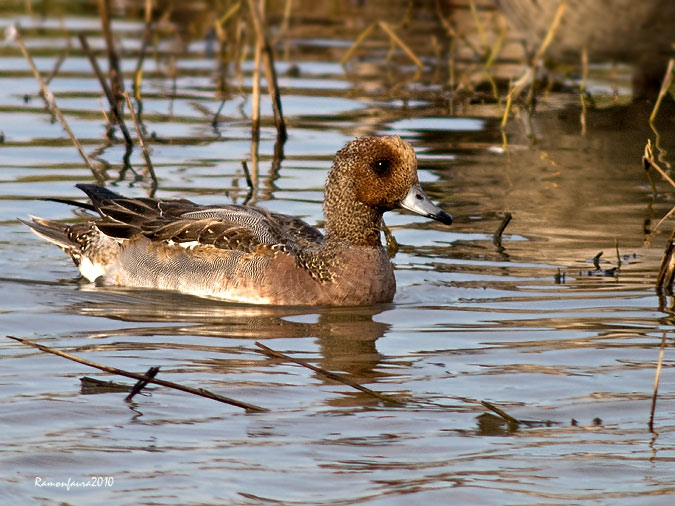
248 254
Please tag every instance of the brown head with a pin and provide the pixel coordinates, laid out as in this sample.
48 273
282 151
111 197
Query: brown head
372 175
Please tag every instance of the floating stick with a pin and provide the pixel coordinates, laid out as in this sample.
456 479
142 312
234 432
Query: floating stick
327 374
142 377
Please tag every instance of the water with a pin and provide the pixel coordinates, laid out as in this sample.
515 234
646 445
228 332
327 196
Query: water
470 322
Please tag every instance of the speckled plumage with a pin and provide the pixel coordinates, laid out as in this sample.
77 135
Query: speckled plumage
249 254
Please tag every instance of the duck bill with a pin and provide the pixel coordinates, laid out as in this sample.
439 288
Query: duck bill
418 202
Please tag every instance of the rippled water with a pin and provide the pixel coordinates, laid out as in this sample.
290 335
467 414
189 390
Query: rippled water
532 327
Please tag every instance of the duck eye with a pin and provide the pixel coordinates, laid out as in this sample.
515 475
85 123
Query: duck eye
381 166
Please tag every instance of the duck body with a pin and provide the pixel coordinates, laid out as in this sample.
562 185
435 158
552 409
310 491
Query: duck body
262 276
248 254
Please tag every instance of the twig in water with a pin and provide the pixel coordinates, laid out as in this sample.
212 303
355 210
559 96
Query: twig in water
359 40
406 49
657 376
275 165
492 56
550 34
497 236
13 33
115 107
214 121
582 88
145 41
249 182
665 86
479 25
618 256
283 28
62 56
255 94
454 33
515 423
530 73
89 385
141 141
395 39
651 233
57 65
327 374
514 92
500 412
664 280
195 391
113 58
140 384
648 162
270 71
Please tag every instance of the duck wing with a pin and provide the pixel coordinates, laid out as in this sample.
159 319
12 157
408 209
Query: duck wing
231 227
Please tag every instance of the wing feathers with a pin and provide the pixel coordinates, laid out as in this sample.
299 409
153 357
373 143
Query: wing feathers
230 227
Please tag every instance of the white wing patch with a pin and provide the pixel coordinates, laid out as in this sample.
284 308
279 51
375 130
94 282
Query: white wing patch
186 244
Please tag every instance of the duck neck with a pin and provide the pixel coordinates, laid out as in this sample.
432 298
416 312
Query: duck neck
348 220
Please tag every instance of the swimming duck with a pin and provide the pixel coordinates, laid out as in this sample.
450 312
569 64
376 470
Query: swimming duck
249 254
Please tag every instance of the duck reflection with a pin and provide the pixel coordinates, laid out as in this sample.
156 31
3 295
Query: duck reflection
346 336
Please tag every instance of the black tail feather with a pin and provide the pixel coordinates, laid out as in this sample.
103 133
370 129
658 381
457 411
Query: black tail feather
74 203
98 194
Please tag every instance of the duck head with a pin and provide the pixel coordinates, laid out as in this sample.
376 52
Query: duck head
369 176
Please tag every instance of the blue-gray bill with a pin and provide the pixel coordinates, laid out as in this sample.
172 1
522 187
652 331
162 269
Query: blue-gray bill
418 202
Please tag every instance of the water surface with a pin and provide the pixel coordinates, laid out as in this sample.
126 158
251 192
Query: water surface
533 327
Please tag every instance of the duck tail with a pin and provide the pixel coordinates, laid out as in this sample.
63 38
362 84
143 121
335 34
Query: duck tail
50 230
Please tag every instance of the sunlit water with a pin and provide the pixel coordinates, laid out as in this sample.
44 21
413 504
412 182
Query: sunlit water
532 327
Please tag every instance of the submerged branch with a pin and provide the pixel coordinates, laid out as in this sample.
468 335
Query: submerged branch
142 377
503 414
497 236
327 374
